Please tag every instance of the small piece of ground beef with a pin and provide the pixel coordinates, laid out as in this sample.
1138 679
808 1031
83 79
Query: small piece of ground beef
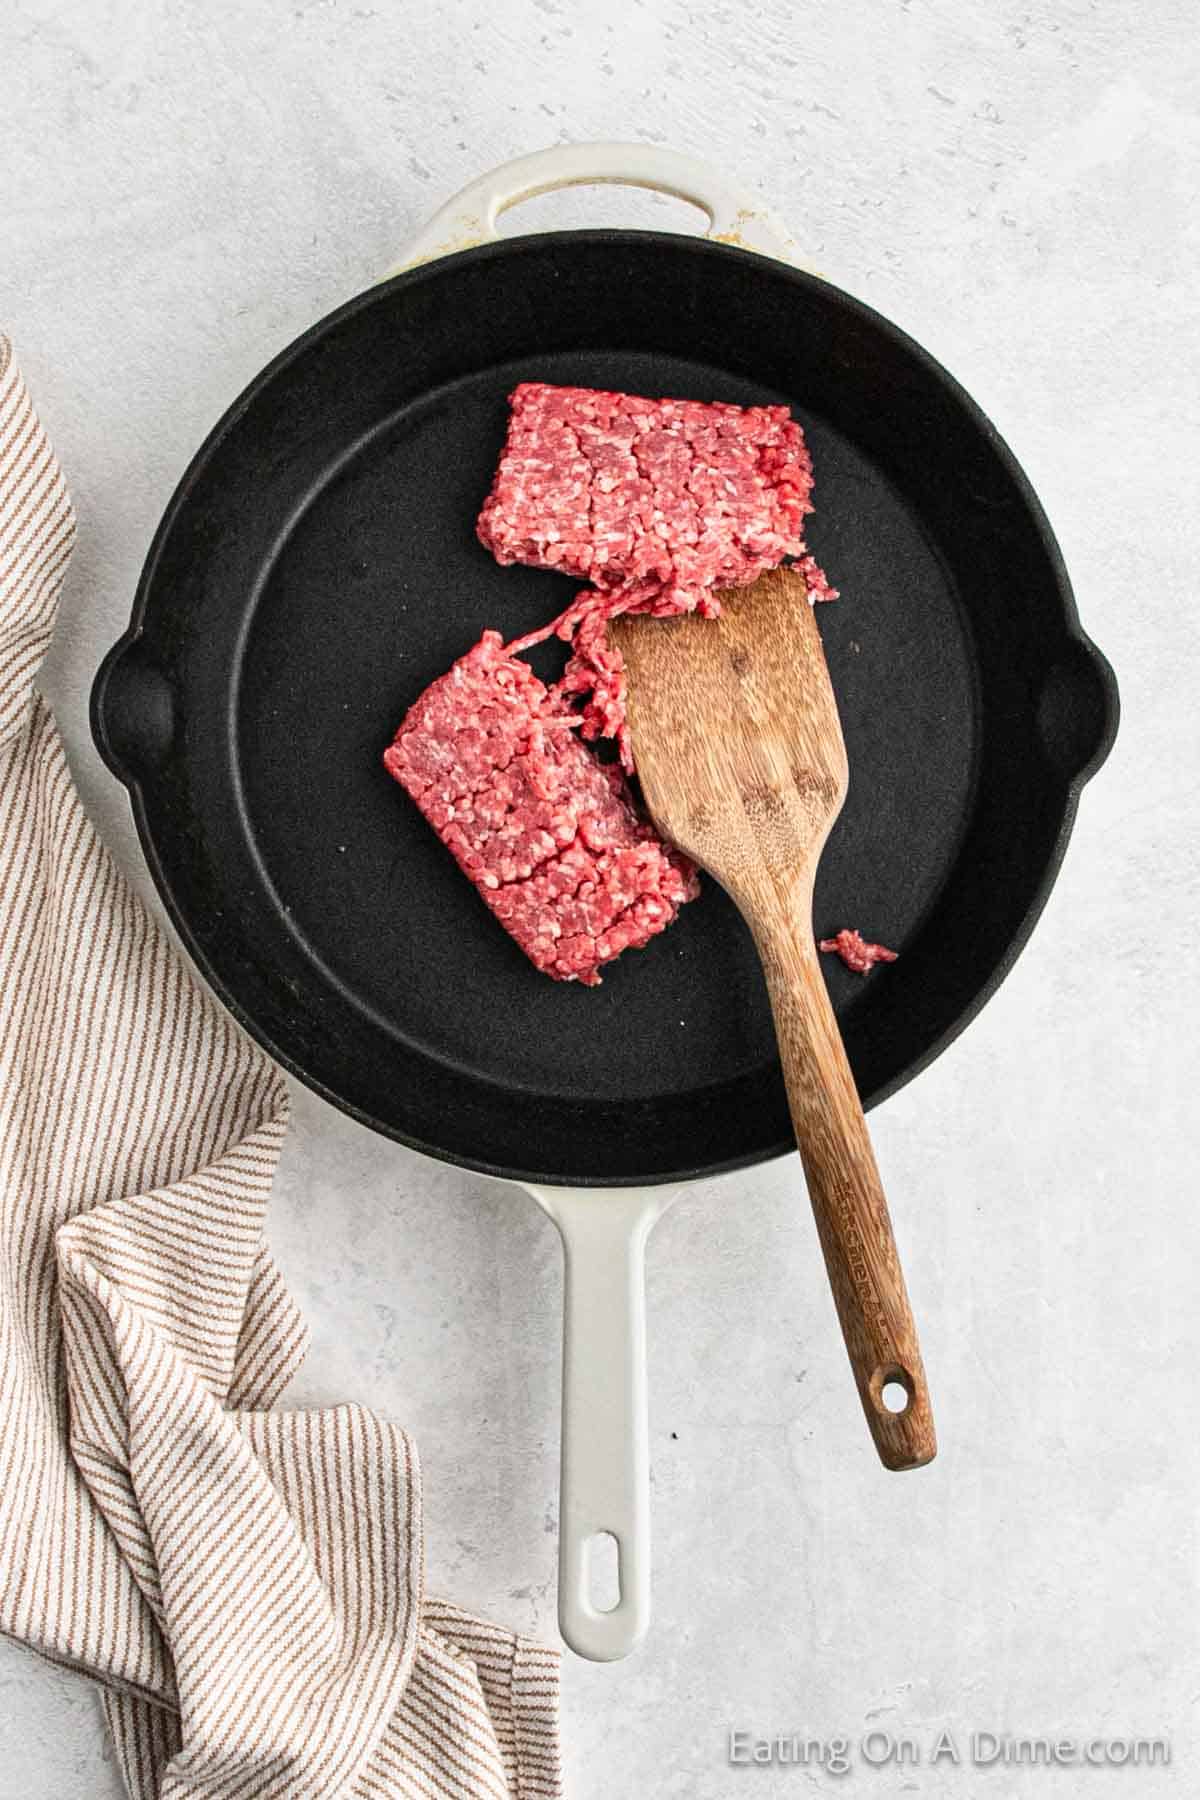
656 503
547 833
856 952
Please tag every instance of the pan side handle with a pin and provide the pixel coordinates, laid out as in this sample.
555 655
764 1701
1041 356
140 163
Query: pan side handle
132 710
735 215
605 1463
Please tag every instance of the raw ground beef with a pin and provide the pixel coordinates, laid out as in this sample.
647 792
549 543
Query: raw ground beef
656 503
682 495
547 833
856 952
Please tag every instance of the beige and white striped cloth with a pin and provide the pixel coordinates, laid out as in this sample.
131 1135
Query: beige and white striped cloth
245 1582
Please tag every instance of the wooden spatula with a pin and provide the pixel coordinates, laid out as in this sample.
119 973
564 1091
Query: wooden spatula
739 749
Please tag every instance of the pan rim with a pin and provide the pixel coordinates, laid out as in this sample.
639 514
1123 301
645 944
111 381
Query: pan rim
517 246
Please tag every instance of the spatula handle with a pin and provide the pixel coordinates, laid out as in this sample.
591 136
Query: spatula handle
847 1196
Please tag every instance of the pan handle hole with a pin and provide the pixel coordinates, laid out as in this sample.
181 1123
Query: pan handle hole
892 1390
601 204
603 1563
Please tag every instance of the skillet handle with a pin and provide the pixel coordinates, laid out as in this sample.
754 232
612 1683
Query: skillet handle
132 710
605 1462
735 215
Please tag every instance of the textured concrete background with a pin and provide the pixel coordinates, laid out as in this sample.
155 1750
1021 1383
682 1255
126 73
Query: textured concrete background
187 184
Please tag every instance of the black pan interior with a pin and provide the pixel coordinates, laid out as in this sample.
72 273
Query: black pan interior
319 567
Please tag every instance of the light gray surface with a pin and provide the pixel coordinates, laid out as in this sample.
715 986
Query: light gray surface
185 187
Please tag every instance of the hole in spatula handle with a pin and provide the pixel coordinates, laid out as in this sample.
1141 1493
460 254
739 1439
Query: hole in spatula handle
892 1390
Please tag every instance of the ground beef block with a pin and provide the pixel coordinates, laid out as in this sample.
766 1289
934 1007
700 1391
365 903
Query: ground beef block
616 490
547 833
656 503
855 951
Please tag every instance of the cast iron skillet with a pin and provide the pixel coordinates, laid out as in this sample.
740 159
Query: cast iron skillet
318 566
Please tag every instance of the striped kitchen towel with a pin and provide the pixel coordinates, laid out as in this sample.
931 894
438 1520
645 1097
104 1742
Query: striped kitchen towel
244 1580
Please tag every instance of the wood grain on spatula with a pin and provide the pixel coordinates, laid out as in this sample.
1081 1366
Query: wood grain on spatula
740 753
